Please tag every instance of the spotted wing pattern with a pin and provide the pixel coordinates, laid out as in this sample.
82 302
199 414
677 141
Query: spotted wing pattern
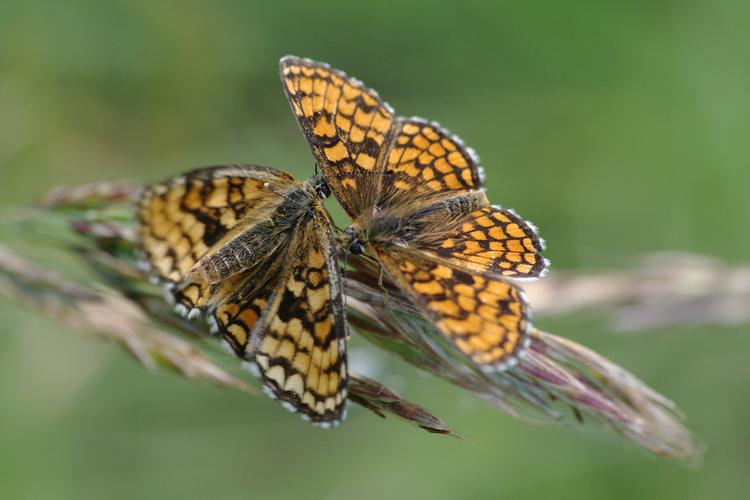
425 159
194 297
485 318
294 333
346 125
497 241
186 216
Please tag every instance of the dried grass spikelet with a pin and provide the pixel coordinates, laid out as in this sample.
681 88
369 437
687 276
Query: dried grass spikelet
555 380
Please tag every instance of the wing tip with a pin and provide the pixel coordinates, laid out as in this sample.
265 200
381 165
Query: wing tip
329 419
467 150
291 60
538 240
341 415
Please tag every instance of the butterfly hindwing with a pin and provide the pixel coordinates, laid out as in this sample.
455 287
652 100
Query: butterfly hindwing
486 318
494 240
294 331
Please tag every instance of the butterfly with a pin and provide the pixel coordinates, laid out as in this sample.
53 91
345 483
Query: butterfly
252 249
415 195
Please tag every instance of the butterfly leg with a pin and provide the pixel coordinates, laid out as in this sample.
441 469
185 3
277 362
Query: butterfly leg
382 286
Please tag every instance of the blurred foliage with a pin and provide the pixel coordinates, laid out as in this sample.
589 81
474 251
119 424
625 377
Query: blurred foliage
617 127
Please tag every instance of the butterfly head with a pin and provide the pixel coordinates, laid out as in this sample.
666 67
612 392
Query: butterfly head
356 247
354 241
319 186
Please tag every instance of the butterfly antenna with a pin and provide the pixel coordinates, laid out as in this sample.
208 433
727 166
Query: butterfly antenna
268 186
344 272
339 175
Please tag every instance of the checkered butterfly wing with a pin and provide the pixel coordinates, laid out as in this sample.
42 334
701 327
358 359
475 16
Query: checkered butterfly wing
485 317
346 125
493 240
192 216
289 323
232 241
425 162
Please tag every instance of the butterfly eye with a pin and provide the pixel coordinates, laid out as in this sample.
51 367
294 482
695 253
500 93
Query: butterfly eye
356 247
321 187
324 191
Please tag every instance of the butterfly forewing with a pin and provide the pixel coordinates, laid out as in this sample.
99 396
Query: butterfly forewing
184 218
494 240
346 125
254 248
199 295
294 331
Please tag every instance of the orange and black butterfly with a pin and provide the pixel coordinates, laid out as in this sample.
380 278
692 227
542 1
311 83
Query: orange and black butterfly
415 195
252 249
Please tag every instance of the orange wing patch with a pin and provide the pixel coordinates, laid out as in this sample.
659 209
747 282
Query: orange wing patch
485 318
497 241
346 126
426 159
237 316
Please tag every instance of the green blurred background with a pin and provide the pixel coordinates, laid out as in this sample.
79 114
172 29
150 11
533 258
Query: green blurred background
618 127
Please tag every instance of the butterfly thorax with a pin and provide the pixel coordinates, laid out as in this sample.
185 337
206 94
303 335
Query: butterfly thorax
419 227
256 243
297 204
